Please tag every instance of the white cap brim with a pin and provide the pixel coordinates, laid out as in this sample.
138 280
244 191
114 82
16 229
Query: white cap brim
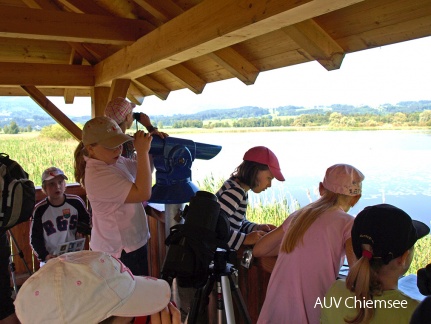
150 296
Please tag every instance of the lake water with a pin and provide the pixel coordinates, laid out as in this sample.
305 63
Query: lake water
396 164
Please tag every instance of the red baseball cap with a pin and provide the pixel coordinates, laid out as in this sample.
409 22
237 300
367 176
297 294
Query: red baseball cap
264 155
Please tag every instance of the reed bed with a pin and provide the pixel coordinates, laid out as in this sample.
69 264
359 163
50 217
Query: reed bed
35 154
277 209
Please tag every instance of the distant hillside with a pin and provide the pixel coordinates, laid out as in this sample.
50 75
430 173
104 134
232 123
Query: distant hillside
404 107
254 112
25 112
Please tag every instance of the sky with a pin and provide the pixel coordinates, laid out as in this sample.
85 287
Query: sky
388 74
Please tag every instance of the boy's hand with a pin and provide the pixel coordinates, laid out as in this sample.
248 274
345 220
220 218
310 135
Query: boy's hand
79 235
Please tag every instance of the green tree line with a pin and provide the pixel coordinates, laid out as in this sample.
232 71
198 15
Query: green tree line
330 119
334 119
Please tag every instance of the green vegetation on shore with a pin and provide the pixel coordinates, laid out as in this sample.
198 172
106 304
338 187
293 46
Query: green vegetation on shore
24 116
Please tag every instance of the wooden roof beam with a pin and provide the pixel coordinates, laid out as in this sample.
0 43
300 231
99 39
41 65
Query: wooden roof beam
135 94
39 74
99 99
153 86
53 111
316 43
84 6
162 10
69 93
165 11
236 64
84 52
186 77
56 25
119 88
171 44
40 4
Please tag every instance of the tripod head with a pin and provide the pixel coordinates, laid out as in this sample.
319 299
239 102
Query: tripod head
221 259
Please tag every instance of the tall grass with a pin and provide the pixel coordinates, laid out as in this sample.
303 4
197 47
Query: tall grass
36 154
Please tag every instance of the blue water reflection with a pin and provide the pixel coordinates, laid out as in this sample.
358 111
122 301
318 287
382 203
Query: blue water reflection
396 164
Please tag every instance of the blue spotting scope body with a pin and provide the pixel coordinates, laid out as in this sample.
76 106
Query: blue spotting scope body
173 158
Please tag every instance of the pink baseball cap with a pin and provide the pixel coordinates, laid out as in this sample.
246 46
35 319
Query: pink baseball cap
118 109
88 287
343 179
264 155
51 173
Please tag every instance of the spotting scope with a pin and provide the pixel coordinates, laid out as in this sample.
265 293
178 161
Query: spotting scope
173 158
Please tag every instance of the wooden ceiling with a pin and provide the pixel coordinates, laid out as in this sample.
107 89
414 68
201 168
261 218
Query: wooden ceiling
139 48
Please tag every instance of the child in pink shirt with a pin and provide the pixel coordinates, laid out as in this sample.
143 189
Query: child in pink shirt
116 187
311 245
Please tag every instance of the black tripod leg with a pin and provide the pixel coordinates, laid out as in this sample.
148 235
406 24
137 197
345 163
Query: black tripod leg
200 302
236 294
12 274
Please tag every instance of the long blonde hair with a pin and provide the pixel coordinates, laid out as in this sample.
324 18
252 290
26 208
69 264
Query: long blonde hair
306 216
364 282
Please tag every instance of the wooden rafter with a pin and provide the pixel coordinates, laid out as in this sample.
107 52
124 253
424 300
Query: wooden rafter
162 10
53 111
46 74
169 45
69 93
236 64
56 25
316 43
186 77
153 86
135 94
119 88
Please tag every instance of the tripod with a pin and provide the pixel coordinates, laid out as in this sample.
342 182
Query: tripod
222 274
12 264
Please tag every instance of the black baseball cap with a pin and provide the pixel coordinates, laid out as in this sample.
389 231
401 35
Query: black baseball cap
389 230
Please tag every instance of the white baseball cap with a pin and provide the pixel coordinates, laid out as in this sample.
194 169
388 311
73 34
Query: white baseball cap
51 173
88 287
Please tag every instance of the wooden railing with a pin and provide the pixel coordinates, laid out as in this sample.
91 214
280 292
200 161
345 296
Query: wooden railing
252 282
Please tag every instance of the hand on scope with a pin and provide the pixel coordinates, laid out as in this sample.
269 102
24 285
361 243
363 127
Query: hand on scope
252 237
160 134
169 315
142 142
424 280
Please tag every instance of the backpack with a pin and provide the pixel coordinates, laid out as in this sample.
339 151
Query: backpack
18 195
